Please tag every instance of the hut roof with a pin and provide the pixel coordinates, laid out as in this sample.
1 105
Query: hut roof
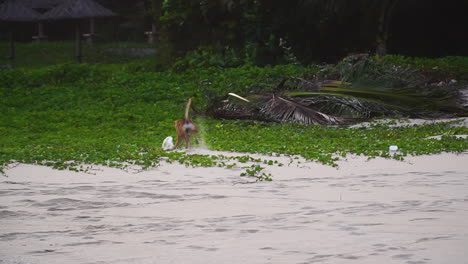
12 10
41 4
77 9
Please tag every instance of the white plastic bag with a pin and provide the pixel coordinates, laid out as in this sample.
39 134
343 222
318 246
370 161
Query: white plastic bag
167 143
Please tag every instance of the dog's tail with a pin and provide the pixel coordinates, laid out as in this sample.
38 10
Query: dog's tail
187 109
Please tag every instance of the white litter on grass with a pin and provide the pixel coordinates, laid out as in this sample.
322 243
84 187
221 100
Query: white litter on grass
393 148
168 143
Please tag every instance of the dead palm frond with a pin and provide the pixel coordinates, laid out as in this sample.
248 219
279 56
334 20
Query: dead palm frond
332 102
283 109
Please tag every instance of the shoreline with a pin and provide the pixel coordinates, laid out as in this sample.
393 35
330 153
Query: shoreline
287 161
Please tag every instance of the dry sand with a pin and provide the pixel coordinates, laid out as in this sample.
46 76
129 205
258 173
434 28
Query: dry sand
377 211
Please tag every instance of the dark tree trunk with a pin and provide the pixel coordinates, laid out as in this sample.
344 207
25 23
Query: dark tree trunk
386 11
154 8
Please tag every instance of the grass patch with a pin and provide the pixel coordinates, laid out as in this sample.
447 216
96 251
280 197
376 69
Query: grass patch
68 115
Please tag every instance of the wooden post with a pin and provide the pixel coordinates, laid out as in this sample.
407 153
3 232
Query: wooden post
40 32
90 38
91 25
12 46
77 41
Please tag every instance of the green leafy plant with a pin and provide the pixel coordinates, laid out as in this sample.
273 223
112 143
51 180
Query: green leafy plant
256 171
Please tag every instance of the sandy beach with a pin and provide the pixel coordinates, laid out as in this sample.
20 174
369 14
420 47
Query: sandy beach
377 211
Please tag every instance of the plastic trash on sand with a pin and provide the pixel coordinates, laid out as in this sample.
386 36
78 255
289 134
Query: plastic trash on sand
393 148
168 143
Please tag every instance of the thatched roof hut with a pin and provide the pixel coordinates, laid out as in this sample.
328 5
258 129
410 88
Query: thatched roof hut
41 4
76 9
16 11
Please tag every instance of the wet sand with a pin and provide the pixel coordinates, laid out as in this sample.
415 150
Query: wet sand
377 211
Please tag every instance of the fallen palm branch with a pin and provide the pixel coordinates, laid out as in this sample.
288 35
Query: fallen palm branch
330 102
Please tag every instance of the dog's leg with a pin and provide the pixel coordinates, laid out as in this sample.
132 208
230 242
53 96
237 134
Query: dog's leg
179 131
180 138
187 140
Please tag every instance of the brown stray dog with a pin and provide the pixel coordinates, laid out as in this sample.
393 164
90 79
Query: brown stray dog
185 128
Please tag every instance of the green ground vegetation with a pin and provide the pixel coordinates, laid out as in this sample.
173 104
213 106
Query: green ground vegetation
40 54
68 115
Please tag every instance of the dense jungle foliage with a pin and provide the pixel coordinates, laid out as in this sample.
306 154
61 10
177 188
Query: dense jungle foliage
67 115
313 30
